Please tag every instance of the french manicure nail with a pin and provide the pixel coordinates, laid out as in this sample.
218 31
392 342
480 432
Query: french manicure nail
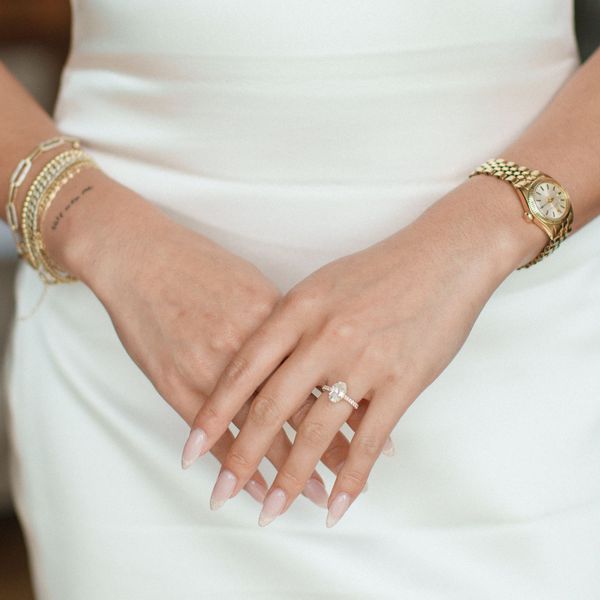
274 503
337 509
256 490
388 447
314 490
223 489
193 447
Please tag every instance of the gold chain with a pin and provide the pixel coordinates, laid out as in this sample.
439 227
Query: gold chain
20 174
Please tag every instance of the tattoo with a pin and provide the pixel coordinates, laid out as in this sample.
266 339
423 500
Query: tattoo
69 204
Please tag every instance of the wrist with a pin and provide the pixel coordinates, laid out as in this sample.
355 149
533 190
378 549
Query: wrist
92 216
485 218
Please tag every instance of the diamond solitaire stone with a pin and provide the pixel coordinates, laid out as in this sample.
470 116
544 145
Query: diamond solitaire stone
337 391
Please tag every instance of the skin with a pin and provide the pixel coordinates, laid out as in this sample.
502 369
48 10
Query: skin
406 304
389 318
181 308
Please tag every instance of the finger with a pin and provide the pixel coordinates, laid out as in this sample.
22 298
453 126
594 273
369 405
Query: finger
354 422
314 436
277 455
336 452
365 448
280 397
256 485
260 355
187 402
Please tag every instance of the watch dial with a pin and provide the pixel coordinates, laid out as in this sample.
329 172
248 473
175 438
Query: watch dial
550 199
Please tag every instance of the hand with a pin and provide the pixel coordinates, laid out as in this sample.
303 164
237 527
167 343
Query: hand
181 305
386 320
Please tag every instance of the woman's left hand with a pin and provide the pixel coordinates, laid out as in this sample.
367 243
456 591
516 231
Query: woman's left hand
386 320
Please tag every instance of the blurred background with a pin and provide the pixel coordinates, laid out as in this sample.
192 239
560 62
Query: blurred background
34 43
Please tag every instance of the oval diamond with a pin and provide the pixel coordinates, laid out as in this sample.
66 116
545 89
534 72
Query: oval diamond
337 391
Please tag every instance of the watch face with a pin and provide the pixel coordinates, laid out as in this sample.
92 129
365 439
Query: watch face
550 200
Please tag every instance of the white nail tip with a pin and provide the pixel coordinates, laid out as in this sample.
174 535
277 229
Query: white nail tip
388 448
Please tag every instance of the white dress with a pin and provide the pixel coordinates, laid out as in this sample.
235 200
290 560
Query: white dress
293 133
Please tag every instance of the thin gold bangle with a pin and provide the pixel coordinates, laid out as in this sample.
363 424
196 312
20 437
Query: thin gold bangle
49 270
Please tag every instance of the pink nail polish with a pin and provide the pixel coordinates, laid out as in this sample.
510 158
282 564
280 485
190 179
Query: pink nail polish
223 489
274 503
193 447
337 509
388 447
315 491
256 490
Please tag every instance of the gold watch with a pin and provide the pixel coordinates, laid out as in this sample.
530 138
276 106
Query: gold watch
545 202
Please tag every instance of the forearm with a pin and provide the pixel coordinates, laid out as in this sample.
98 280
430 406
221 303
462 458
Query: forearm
23 123
563 141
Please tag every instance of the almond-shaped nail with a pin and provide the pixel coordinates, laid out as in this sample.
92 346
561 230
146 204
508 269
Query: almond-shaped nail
257 490
193 447
223 489
337 509
274 503
388 447
315 491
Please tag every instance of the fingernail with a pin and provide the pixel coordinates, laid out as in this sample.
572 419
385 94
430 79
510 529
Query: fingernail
274 503
314 490
337 509
223 489
388 448
256 490
193 447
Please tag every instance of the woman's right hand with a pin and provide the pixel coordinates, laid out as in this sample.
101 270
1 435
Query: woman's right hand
181 304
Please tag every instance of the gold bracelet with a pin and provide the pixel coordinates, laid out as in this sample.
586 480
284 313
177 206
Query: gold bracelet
20 174
49 271
545 202
51 171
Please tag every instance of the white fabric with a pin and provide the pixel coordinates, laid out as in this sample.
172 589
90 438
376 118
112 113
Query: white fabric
293 133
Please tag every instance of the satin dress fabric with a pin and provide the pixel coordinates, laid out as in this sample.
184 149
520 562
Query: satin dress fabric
293 133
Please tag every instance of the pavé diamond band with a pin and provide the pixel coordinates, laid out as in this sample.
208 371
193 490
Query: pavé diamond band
337 392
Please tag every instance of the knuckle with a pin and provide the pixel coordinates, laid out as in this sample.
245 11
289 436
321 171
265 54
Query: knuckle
377 354
237 369
352 479
264 305
291 480
208 414
368 445
264 410
238 461
340 328
228 341
298 299
312 432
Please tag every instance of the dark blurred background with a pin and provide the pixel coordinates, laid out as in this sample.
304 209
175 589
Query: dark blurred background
34 42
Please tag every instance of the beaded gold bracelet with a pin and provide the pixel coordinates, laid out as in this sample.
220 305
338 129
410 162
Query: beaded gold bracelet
48 269
47 176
